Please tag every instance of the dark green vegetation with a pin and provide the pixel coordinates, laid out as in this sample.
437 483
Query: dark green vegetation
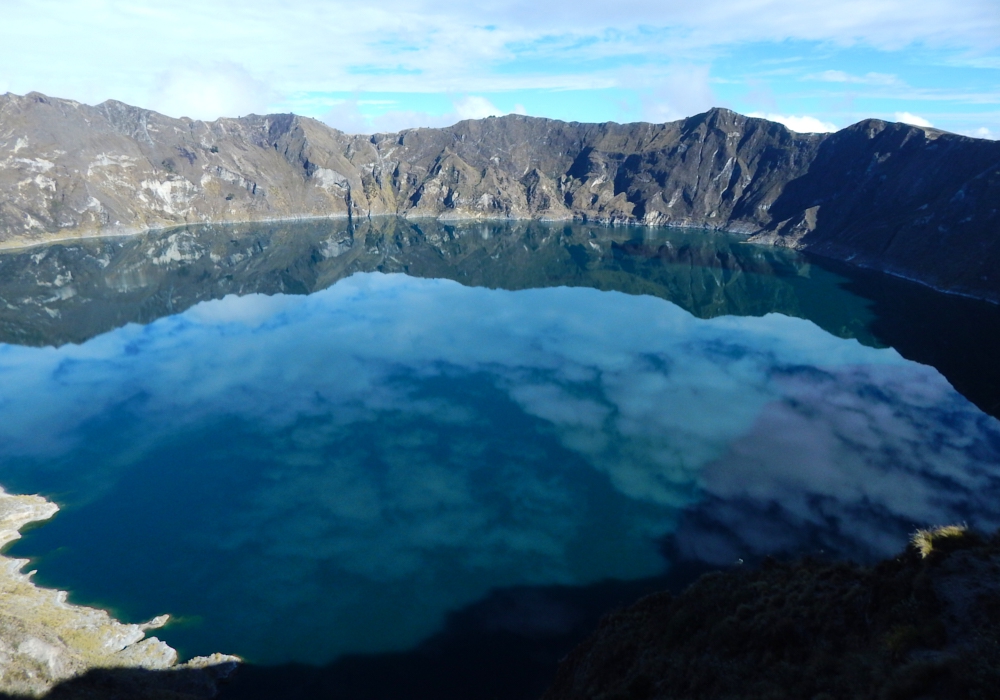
908 627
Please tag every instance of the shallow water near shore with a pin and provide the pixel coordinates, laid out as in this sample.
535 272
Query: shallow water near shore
316 441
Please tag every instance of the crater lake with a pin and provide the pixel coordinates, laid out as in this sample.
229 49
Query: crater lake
414 455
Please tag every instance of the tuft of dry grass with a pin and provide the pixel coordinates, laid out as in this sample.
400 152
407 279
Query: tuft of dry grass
924 541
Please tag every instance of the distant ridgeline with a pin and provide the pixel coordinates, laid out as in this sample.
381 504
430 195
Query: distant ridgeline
907 200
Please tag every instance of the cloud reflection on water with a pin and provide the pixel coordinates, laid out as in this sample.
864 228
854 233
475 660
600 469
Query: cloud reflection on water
401 446
849 459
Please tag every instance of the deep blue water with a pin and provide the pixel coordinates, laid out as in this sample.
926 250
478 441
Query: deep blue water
299 478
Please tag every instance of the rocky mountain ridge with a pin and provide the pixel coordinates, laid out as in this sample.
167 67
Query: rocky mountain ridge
912 201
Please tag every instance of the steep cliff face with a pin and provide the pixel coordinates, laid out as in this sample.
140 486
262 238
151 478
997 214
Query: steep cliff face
718 169
916 202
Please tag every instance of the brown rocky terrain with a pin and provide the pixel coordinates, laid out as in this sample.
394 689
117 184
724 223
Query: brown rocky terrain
911 201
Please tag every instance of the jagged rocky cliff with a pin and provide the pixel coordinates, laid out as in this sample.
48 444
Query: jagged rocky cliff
911 201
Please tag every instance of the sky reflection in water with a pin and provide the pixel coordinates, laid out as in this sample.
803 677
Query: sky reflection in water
302 477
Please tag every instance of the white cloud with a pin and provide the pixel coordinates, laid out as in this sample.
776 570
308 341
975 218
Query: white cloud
981 133
988 62
839 76
209 92
473 107
348 116
441 46
908 118
803 124
681 92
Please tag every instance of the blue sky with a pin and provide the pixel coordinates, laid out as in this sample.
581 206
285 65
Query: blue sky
384 66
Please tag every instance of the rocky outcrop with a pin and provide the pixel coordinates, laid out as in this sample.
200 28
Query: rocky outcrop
925 624
912 201
45 641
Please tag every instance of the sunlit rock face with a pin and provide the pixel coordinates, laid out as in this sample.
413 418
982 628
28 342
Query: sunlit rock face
913 201
304 477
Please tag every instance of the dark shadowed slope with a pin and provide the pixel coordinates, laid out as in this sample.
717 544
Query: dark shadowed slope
909 627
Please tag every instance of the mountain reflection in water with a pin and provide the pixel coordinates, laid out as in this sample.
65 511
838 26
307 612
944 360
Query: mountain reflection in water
302 477
71 292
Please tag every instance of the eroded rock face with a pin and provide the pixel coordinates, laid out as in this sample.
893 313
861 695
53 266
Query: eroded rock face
45 641
913 201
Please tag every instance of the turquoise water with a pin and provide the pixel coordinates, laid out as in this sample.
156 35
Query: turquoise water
300 477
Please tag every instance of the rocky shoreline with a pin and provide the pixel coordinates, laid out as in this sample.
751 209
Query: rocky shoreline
46 641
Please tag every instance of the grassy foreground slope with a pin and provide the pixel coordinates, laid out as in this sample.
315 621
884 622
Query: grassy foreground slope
925 624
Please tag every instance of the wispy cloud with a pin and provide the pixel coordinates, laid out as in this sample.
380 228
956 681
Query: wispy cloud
444 46
681 92
839 76
966 61
983 133
349 116
803 124
908 118
209 91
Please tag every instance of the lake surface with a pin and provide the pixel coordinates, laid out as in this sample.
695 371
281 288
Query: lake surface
322 442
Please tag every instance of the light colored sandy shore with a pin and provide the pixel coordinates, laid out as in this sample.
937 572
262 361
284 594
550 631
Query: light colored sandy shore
44 640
